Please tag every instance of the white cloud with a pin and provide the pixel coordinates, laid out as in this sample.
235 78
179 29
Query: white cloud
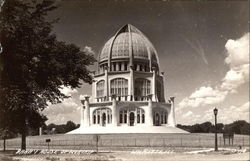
59 113
233 113
225 115
203 96
68 91
238 61
238 51
238 74
89 50
189 113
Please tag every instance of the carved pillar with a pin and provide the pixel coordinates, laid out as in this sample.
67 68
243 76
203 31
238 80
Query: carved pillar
117 66
163 83
114 111
123 66
86 113
131 84
171 116
135 121
128 117
149 112
82 116
106 88
154 85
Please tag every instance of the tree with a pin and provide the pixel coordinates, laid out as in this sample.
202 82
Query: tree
206 127
238 127
70 125
34 64
6 134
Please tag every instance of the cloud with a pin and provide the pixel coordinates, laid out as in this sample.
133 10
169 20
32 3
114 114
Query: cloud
238 61
237 51
189 117
89 50
68 91
203 96
189 113
229 114
67 110
225 115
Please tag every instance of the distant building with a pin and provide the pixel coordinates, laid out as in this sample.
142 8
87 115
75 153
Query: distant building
128 89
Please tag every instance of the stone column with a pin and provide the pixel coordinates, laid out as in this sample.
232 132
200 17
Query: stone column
137 67
128 117
106 88
101 121
123 67
117 66
149 112
135 122
171 116
82 114
154 85
164 91
131 84
114 111
86 112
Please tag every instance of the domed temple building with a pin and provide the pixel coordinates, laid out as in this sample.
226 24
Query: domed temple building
128 89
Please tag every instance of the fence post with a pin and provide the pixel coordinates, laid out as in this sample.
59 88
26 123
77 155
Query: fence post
181 142
243 141
74 144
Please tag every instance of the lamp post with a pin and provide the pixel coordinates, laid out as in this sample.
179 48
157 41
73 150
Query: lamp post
215 120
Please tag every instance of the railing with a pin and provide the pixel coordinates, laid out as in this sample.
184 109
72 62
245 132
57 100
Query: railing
123 98
189 140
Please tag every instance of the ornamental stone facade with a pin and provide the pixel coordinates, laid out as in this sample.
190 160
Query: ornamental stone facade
128 89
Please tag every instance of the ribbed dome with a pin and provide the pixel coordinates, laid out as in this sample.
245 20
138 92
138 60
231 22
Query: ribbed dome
126 43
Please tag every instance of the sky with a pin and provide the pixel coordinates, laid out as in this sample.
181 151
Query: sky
203 49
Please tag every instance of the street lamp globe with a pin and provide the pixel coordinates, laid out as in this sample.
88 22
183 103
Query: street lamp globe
215 111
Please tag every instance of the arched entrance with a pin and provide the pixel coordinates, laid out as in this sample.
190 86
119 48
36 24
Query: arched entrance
104 119
131 119
157 119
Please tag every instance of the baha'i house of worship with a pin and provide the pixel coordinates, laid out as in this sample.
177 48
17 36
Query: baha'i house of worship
128 89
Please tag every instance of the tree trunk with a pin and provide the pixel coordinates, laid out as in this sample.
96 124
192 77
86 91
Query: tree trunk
4 144
23 133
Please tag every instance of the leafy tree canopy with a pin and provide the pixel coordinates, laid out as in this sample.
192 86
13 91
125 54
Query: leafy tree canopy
34 64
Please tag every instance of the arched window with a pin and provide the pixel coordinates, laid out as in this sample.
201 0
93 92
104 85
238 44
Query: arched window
138 112
94 119
102 115
121 117
143 118
119 87
100 88
138 118
125 117
166 118
142 88
98 119
160 116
